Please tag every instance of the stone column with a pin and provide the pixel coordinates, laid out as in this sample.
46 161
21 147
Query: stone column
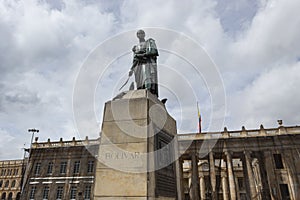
179 177
212 174
231 178
190 184
265 194
257 178
272 180
224 187
202 187
195 190
290 163
251 180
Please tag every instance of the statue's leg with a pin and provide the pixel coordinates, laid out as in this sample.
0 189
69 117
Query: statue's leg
148 80
154 85
139 76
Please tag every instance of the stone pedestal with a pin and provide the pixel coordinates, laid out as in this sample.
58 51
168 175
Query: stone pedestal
137 150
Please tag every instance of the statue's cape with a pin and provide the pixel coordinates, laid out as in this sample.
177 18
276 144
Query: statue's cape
151 47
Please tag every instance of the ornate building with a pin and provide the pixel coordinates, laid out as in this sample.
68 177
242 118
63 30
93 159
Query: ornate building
261 164
11 179
61 170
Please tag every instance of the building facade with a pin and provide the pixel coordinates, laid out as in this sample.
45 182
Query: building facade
262 164
11 179
61 170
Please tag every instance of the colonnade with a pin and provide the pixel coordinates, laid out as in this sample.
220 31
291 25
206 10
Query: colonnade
262 179
260 164
198 185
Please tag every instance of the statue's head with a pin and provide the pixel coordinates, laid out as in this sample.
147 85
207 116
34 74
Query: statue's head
140 34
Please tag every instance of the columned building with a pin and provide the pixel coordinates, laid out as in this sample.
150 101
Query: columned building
261 164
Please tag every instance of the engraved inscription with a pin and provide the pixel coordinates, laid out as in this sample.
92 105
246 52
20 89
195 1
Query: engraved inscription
122 155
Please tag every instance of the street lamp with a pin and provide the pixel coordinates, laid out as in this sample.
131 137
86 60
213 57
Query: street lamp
33 131
24 176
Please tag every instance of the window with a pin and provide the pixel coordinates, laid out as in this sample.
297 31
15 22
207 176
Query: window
1 183
207 183
76 167
32 192
2 172
23 170
50 168
278 161
6 184
241 183
46 192
18 197
284 190
218 182
63 167
37 169
59 192
13 184
73 192
243 196
87 192
90 167
10 196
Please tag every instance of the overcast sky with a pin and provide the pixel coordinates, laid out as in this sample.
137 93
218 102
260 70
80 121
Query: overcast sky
254 44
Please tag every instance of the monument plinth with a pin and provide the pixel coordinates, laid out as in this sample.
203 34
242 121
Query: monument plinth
137 150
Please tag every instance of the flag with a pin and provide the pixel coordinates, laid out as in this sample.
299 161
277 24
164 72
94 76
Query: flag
199 118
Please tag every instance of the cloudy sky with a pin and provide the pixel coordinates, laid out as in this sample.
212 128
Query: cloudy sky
44 44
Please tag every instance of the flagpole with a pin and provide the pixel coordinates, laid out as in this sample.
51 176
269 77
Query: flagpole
199 117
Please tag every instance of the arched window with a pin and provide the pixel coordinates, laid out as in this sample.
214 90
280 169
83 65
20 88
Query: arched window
3 197
10 196
6 184
13 183
18 196
1 183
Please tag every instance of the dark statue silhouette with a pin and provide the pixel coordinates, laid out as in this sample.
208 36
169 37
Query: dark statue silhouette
144 64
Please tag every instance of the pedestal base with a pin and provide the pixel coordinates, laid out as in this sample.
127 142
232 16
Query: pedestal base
137 150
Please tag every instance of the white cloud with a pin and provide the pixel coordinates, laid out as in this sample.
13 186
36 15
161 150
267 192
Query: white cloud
268 49
273 95
43 44
42 48
273 37
10 146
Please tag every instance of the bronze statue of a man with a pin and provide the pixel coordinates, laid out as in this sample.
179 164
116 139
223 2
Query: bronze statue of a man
144 64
